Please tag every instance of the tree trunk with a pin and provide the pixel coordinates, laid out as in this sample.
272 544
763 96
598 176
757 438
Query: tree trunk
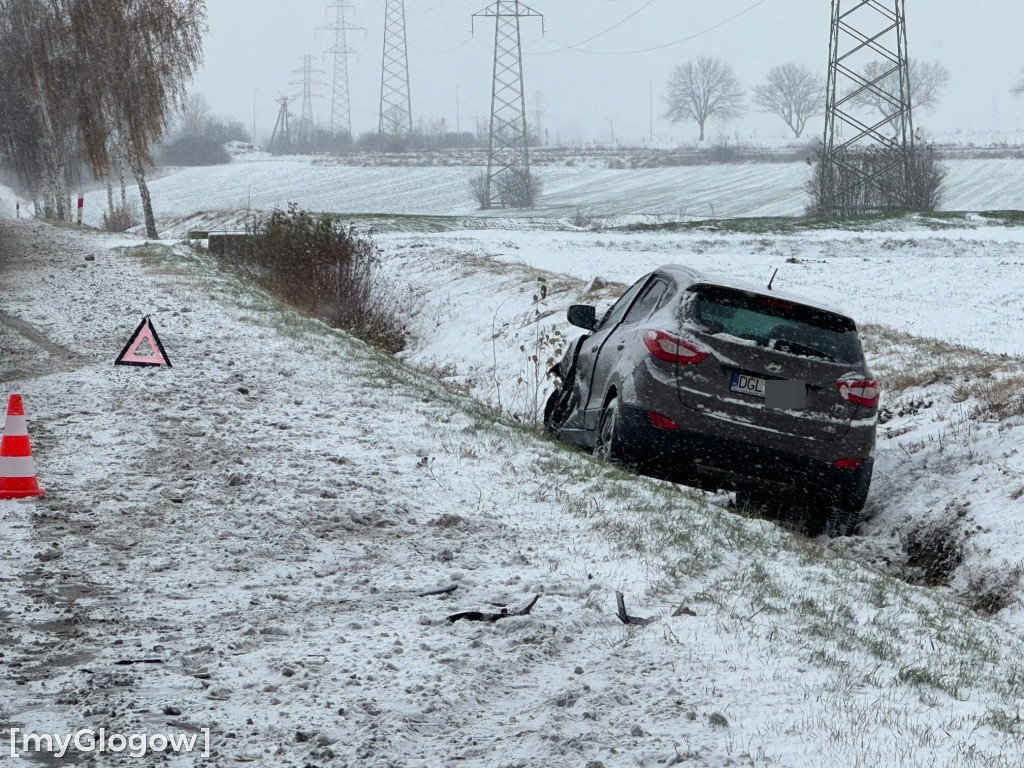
701 130
120 177
147 203
110 193
56 194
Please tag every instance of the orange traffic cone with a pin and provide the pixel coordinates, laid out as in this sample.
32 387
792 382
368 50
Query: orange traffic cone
17 470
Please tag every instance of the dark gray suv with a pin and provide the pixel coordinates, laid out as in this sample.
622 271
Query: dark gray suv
724 385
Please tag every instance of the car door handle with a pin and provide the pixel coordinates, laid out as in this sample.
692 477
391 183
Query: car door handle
594 349
621 346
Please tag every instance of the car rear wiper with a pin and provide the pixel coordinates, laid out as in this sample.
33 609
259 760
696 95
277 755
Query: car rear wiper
783 345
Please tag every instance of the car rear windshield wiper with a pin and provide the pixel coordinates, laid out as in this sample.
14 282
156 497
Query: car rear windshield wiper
802 350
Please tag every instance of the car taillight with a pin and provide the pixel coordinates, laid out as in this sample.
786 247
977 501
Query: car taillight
665 346
859 391
850 464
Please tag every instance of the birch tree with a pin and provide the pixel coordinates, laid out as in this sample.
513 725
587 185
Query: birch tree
38 130
143 53
98 76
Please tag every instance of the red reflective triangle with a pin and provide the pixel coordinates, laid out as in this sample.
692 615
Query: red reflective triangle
144 347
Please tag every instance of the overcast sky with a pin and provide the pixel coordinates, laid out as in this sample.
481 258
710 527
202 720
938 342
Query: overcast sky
587 89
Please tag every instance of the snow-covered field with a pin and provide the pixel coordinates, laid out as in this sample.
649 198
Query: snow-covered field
255 527
710 191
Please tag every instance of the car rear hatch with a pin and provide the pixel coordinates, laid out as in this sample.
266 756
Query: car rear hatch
773 365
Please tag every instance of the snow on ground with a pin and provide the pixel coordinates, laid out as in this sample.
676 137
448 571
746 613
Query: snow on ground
948 460
961 285
706 191
8 202
254 528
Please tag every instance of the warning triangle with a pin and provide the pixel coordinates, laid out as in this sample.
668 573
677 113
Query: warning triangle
144 347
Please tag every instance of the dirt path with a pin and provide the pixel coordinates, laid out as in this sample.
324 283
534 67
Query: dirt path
240 542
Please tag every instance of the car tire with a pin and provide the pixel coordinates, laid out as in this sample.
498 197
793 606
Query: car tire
842 514
839 521
609 440
549 411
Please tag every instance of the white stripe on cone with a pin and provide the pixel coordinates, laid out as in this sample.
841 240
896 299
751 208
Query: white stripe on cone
17 466
15 426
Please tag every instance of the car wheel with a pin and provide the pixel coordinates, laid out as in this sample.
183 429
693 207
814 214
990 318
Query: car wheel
841 514
839 521
609 445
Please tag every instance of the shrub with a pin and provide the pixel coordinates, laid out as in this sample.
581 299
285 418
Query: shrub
201 141
478 188
837 189
518 189
122 218
325 270
194 150
512 188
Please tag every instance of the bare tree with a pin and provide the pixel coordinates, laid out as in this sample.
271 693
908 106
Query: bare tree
927 80
702 89
794 93
193 115
1018 89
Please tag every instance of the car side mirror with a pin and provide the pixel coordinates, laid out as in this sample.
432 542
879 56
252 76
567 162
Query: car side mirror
582 316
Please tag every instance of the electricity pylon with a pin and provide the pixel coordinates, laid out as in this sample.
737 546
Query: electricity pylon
395 97
508 180
305 126
867 163
280 139
341 110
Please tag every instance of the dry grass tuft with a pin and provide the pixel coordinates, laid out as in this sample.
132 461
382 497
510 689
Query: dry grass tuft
904 361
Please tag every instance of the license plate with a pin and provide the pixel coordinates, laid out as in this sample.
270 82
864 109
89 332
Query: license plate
750 385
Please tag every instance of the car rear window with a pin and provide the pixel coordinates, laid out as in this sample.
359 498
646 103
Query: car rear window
774 323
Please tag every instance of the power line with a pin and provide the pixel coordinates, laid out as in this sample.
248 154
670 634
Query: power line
575 46
612 28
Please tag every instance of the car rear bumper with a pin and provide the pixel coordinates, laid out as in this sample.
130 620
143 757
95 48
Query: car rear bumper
721 463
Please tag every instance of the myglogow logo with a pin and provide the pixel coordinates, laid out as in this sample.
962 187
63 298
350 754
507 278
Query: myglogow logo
88 741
